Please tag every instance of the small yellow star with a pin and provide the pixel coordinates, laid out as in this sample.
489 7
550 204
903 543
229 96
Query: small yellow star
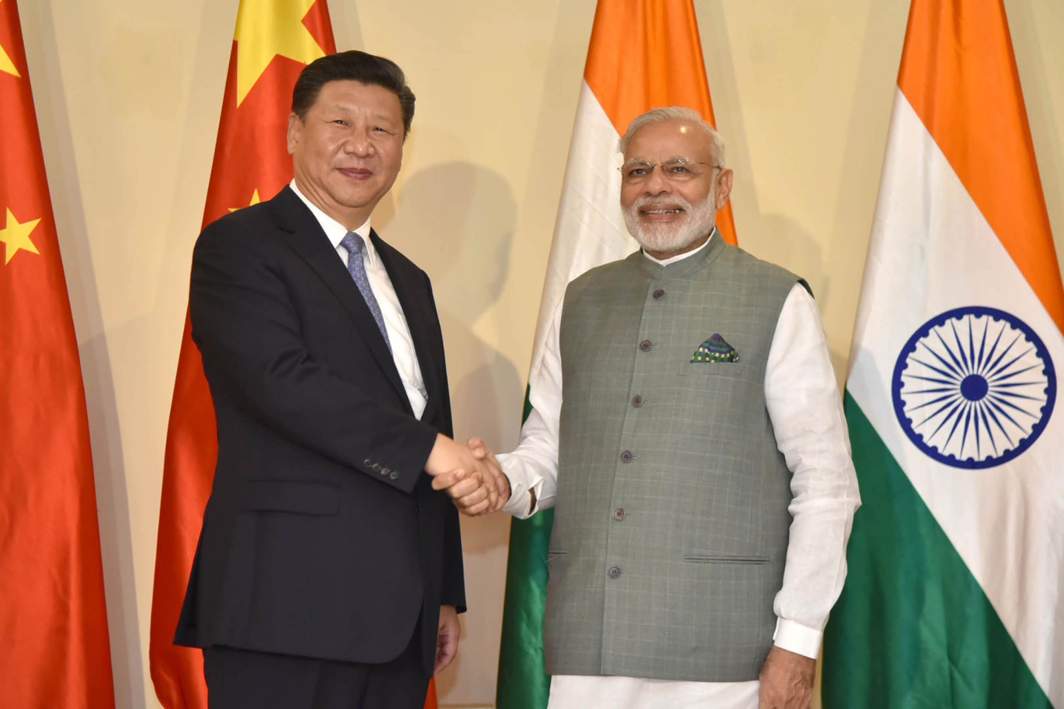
16 237
265 29
254 200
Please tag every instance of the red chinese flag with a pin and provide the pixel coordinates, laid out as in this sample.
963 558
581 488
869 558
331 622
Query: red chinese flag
272 43
54 650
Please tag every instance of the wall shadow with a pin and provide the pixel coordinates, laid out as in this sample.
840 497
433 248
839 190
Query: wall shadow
456 220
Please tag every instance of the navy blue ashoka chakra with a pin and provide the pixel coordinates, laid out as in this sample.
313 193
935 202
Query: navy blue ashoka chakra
974 387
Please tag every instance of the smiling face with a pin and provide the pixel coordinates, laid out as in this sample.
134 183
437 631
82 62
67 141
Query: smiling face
347 149
672 187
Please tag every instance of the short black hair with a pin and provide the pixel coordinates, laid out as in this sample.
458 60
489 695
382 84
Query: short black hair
352 65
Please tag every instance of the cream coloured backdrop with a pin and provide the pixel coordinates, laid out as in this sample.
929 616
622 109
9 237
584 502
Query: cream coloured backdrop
128 94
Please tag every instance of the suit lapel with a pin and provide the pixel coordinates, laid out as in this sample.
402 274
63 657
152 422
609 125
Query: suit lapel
415 298
310 242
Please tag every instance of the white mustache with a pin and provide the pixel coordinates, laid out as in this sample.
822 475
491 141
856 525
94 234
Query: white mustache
652 203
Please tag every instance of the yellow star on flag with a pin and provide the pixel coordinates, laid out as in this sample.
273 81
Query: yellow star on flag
6 65
254 200
265 29
15 237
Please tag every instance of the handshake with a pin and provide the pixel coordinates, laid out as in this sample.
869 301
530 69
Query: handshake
470 474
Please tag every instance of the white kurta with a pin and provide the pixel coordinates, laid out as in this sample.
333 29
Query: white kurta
805 409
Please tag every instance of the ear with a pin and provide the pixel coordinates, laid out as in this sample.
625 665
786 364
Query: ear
724 186
295 131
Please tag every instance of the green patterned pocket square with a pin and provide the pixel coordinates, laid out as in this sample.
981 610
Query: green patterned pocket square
715 349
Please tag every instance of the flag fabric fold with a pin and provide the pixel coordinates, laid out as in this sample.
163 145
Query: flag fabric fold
953 597
272 43
53 618
642 54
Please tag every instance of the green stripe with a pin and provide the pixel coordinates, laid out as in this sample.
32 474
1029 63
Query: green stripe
913 627
523 682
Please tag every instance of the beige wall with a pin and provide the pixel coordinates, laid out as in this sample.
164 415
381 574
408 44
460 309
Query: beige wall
129 94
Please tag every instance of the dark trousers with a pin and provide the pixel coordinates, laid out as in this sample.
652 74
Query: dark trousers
245 679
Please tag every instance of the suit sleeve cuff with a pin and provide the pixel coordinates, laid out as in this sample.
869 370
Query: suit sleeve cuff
797 638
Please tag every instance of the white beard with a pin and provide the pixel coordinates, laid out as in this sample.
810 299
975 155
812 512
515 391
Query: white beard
668 238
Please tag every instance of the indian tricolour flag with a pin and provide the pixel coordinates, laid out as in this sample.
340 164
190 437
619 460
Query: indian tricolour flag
643 54
955 593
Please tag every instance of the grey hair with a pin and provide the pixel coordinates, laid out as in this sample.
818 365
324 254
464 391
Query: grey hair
673 113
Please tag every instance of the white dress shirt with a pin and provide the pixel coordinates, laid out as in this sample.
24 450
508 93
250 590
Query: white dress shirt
399 339
805 409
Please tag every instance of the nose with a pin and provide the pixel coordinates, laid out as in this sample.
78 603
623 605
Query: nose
656 183
358 143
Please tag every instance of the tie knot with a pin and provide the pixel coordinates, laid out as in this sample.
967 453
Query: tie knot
352 242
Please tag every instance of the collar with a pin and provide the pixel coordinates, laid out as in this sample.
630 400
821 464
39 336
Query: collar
335 231
681 257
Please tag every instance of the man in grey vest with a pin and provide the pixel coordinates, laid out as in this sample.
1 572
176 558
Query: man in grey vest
698 462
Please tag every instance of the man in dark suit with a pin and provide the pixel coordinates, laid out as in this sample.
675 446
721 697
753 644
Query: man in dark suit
329 572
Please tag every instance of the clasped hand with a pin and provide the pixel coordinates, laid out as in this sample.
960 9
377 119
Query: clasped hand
470 474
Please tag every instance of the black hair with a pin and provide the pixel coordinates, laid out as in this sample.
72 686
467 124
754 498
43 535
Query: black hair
357 66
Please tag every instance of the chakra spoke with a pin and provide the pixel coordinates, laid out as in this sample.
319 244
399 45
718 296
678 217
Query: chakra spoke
960 347
956 372
967 422
1012 361
958 400
954 395
981 408
1004 402
1010 375
935 369
929 379
982 347
993 348
953 357
997 407
1003 353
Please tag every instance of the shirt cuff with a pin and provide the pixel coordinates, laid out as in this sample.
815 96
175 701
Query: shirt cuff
520 498
797 638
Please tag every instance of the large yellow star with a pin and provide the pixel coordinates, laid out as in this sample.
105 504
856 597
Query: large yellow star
15 237
265 29
255 199
6 65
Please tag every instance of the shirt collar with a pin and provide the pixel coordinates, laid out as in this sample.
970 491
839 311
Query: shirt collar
335 231
681 257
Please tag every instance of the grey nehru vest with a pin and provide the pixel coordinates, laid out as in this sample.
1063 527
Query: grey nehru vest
671 521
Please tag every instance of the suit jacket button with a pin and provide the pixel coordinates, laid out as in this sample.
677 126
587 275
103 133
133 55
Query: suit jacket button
394 475
385 471
376 466
614 572
366 461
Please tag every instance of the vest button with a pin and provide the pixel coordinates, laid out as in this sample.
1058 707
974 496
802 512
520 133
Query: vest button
659 294
645 345
627 457
614 572
637 401
618 514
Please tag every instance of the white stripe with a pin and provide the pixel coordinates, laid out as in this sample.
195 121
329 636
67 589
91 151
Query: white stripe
933 251
590 230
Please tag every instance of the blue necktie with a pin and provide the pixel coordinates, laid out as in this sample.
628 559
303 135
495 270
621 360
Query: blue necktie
356 266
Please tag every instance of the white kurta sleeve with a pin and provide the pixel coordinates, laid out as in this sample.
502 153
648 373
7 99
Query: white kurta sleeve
534 464
806 412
